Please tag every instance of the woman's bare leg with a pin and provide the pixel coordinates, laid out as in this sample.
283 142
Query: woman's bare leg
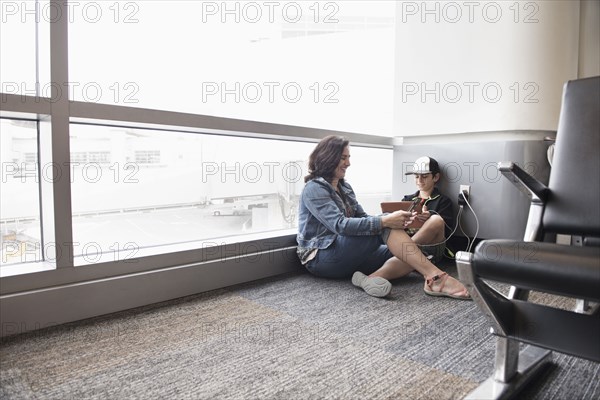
393 269
411 258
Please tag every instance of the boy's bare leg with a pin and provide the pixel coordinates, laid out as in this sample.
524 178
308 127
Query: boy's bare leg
431 232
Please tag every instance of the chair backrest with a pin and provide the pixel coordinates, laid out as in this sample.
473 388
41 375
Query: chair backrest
573 206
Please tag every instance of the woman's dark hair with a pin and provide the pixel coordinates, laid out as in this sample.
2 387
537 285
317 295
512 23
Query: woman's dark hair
325 158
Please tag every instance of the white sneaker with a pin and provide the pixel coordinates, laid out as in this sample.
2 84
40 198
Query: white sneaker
375 286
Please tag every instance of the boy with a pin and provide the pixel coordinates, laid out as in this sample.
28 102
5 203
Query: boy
437 214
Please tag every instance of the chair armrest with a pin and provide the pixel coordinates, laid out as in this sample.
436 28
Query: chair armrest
570 271
526 183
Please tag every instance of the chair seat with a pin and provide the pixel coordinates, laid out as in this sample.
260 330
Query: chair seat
559 269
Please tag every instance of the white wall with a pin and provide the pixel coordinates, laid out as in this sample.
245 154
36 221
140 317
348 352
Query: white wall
491 66
445 46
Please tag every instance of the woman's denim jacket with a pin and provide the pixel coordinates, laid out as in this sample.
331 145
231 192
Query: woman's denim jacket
321 216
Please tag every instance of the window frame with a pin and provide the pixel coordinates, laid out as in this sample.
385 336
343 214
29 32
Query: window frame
56 113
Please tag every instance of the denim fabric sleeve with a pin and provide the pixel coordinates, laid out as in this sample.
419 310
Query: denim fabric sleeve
320 203
351 198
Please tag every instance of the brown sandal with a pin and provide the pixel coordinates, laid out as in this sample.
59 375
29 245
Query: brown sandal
461 294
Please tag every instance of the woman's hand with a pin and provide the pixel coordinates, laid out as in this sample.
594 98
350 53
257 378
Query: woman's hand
398 219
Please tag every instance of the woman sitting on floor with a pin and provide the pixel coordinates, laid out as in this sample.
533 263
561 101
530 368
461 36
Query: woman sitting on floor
337 239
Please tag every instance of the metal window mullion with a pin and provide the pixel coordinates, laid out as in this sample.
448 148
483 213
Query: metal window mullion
135 117
55 173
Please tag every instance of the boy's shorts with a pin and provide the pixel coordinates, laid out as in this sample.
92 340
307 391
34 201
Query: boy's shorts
436 251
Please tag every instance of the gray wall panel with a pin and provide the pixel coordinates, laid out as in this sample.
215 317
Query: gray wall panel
501 208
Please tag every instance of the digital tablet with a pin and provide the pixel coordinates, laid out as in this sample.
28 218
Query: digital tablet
391 206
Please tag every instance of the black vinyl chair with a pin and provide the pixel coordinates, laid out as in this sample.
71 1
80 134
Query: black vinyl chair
569 205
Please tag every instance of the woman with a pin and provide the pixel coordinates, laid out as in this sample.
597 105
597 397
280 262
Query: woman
337 239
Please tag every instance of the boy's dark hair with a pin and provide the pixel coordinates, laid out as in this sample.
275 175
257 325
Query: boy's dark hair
325 158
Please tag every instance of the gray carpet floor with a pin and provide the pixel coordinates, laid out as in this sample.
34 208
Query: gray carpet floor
289 337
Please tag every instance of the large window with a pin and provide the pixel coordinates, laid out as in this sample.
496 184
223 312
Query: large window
157 188
24 47
19 196
323 64
138 188
179 123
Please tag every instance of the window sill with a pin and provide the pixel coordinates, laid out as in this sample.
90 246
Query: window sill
37 275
